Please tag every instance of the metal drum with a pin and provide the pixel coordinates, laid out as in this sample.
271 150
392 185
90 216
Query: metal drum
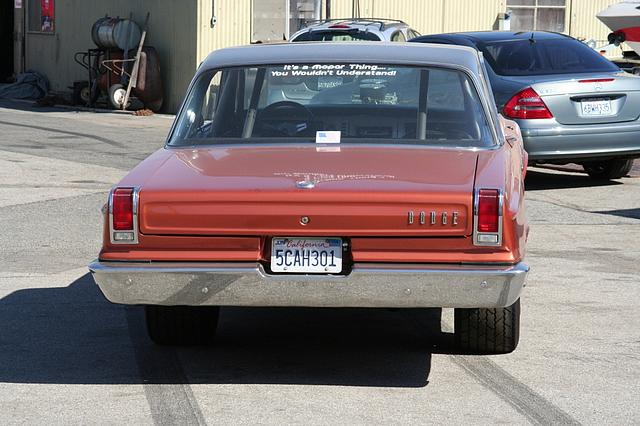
116 33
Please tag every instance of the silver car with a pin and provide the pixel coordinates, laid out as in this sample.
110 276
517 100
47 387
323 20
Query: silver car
572 105
356 29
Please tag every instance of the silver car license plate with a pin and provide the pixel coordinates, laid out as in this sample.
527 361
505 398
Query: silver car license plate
306 255
596 107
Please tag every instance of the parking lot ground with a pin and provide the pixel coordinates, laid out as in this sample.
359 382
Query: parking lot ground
69 356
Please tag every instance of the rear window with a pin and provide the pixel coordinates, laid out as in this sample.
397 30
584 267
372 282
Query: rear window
365 103
540 57
337 35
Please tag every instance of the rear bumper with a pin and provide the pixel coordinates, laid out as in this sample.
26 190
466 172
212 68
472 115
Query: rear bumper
368 285
574 142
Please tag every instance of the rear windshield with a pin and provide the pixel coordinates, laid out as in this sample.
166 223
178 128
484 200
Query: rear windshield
355 102
335 35
540 57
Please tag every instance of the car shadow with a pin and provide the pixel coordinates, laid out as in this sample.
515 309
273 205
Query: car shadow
542 179
72 335
629 213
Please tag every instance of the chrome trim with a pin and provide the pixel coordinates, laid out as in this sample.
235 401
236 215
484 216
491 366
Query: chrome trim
343 143
367 285
135 202
500 218
488 95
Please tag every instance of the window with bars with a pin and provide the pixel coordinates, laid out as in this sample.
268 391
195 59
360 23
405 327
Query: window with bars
537 15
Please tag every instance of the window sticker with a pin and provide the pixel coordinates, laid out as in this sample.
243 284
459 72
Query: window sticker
328 140
328 136
330 70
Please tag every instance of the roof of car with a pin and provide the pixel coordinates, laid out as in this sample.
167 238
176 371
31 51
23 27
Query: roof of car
341 52
490 36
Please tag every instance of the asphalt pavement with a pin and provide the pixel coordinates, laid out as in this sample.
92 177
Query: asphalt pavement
67 356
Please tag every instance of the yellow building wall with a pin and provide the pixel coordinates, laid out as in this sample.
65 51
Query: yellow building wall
233 27
428 16
433 16
471 15
583 22
424 16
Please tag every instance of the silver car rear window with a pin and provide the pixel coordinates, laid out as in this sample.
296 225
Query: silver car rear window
542 57
355 102
353 34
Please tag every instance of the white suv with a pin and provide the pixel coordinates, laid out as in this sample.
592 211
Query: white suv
355 29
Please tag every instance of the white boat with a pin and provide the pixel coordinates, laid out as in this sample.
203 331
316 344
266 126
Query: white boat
624 20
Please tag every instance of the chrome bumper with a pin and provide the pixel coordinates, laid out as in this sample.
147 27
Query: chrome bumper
368 285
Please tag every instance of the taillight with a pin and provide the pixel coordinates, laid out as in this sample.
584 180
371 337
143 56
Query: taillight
488 217
488 210
123 209
123 222
526 104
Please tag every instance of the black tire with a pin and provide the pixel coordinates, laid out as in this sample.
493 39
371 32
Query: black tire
486 331
610 169
81 93
182 325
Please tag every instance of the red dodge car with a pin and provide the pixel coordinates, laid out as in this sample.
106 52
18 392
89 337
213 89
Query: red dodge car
329 175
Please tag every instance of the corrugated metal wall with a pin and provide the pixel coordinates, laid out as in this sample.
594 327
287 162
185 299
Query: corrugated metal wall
477 15
425 16
169 23
428 16
233 25
583 22
432 16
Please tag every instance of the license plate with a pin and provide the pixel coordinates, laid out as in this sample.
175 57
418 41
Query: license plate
308 255
596 108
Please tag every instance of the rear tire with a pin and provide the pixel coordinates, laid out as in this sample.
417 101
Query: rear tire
182 325
81 93
485 331
610 169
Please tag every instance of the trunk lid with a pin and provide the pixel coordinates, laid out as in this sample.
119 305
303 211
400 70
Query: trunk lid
597 98
357 191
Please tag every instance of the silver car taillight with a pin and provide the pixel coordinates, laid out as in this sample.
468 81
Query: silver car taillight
488 205
123 215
